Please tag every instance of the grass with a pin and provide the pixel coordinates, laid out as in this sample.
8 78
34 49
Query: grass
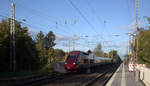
13 75
48 69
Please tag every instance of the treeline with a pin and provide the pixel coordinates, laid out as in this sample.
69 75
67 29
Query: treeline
111 54
31 54
144 47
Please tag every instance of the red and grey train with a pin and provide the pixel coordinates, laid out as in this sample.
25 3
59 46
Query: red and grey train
77 60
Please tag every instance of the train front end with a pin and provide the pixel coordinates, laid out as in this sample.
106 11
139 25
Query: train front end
71 62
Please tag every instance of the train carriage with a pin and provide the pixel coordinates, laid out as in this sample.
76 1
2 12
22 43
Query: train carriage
78 60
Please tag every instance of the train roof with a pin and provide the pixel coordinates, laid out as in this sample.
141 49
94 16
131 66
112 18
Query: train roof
95 57
102 58
79 52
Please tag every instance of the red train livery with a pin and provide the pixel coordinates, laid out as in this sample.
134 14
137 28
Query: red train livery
77 60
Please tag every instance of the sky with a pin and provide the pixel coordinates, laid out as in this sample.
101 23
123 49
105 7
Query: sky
92 21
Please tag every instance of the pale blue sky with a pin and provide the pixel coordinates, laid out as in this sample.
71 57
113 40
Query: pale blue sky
43 14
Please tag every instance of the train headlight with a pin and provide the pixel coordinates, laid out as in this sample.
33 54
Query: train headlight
65 62
74 63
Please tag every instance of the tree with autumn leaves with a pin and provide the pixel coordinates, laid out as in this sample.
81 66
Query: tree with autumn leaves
31 54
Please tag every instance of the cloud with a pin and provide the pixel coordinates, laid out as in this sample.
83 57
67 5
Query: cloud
63 38
66 38
112 46
124 44
32 33
131 26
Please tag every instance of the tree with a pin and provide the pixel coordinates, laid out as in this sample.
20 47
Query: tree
106 55
143 55
51 55
30 54
59 54
49 40
4 46
144 47
49 44
98 50
114 55
40 37
126 59
40 48
26 53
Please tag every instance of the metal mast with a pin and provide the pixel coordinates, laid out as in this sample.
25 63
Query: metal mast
12 38
137 26
69 45
136 31
74 42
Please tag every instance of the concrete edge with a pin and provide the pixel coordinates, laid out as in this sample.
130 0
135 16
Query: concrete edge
145 83
113 76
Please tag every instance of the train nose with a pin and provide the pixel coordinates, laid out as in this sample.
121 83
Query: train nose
69 66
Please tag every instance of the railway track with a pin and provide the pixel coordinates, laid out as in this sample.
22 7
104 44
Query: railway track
92 79
88 83
37 80
100 76
101 79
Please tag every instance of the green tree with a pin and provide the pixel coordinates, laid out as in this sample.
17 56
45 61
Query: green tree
144 47
49 40
143 55
98 50
106 55
49 44
4 46
51 55
59 54
26 53
114 55
126 58
40 48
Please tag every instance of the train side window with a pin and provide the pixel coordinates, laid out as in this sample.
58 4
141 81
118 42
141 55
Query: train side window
79 58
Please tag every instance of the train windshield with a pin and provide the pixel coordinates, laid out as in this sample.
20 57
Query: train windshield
72 56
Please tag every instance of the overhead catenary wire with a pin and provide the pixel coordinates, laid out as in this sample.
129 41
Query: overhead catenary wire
77 9
27 24
38 25
24 23
98 18
3 16
59 23
104 22
91 25
46 17
82 15
129 11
